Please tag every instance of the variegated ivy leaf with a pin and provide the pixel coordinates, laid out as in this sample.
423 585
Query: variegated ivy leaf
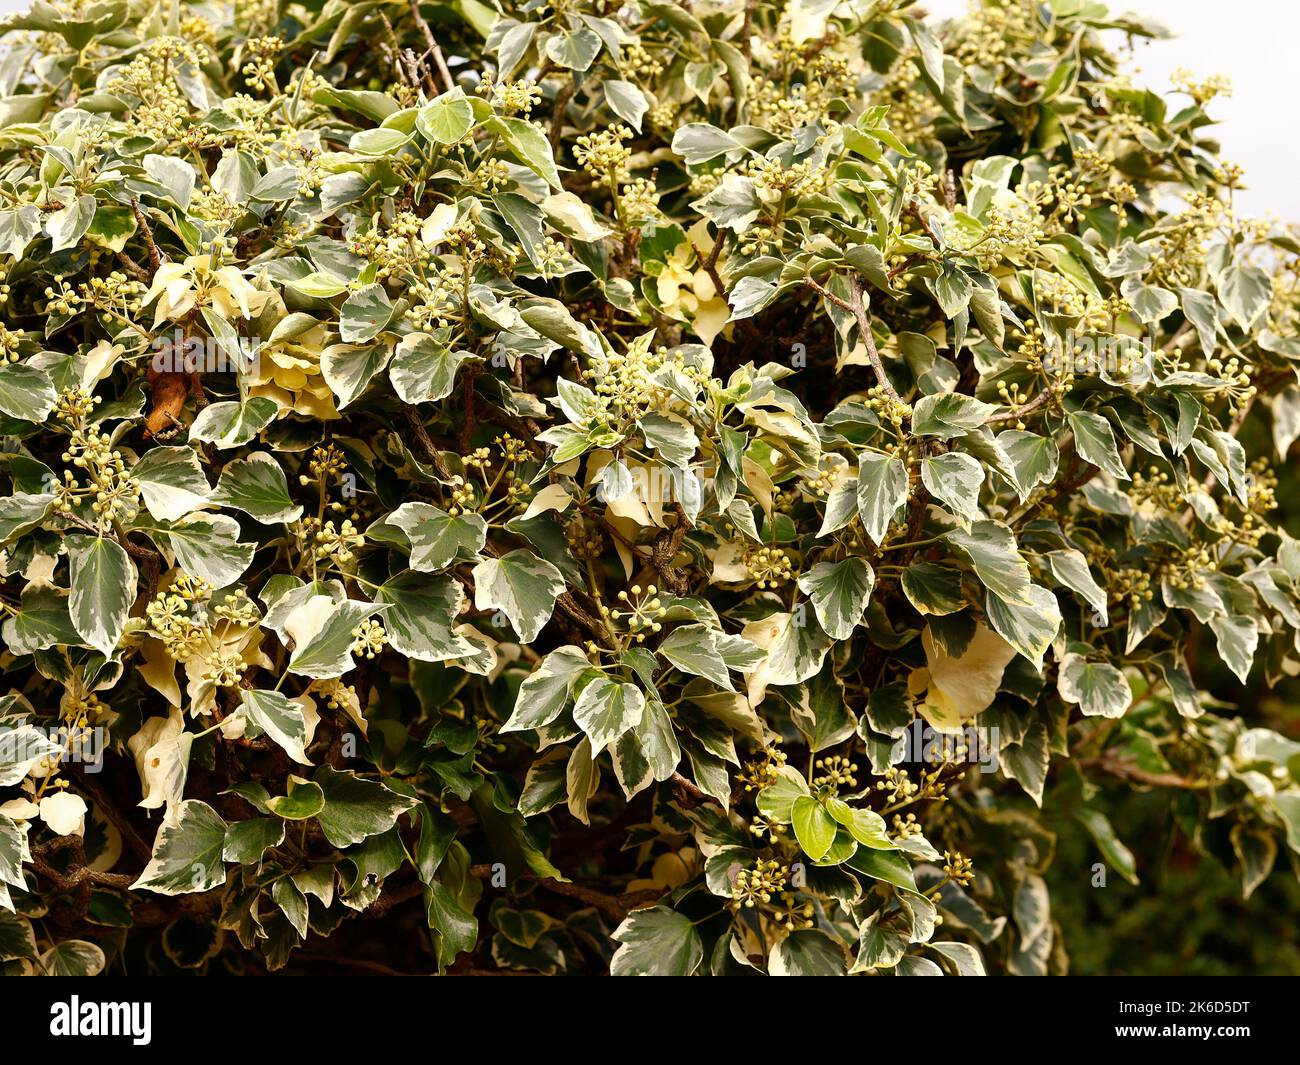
302 799
841 506
171 482
818 707
1095 441
631 766
1034 457
233 424
279 717
1029 627
1286 419
421 615
960 685
694 649
1226 458
437 537
423 370
103 583
21 747
955 478
21 512
522 585
581 780
256 484
247 841
605 709
284 593
656 942
17 938
839 592
882 489
795 644
187 852
546 691
364 314
657 739
26 393
1027 762
673 438
545 783
348 369
949 414
807 953
1070 567
161 749
13 851
1237 641
933 588
990 548
206 546
73 957
1099 689
322 633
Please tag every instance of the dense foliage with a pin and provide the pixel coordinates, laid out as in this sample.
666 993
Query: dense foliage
641 487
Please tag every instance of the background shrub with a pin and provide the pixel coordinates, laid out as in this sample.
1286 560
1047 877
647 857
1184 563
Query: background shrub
648 487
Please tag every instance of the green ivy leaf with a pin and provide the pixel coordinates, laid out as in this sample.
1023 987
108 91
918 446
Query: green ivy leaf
356 808
814 827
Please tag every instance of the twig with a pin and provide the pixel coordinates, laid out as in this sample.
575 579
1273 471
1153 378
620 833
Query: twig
688 793
613 906
864 326
827 294
155 256
434 50
1126 770
665 549
1016 413
425 442
138 272
81 875
710 264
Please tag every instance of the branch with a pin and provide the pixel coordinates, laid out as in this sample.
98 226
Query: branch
1016 413
1126 770
155 256
81 875
425 443
614 906
688 794
434 50
710 264
864 325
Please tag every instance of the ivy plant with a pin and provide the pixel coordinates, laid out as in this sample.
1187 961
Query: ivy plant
632 487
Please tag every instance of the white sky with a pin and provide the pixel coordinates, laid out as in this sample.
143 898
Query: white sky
1253 42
